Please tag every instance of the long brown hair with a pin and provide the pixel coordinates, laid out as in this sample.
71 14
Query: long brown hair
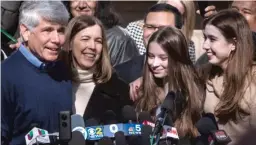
181 76
103 70
189 18
235 29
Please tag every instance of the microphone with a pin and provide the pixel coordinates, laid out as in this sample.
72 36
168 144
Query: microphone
77 124
109 117
219 137
144 116
168 131
92 133
91 122
210 134
77 120
78 131
120 138
170 136
146 134
37 135
105 141
77 138
166 107
129 114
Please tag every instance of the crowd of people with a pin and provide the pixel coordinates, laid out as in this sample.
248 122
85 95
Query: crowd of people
75 56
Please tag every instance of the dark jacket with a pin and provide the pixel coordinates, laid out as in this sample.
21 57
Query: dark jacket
121 46
132 69
112 95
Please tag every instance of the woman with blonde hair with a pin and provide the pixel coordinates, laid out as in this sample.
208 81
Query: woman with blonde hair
94 82
169 68
230 74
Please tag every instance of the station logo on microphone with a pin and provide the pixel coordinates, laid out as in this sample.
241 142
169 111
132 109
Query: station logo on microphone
94 133
134 129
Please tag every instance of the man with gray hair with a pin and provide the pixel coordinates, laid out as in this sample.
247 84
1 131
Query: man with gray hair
35 84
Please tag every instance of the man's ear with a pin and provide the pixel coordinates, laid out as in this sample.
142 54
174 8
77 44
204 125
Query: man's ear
24 32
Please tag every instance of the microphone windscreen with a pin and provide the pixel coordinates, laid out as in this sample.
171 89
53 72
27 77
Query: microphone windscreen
77 120
133 140
129 114
164 142
168 103
77 138
109 117
205 125
146 131
144 116
168 121
120 138
212 117
105 141
91 122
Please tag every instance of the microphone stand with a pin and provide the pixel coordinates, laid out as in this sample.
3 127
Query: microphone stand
155 140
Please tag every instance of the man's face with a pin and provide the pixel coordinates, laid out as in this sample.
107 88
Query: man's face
154 20
248 10
45 40
79 7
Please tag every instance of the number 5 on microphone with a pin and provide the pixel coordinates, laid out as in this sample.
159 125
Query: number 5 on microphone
138 127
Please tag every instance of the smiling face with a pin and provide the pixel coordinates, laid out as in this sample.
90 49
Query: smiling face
218 49
87 47
248 10
79 7
157 60
155 20
45 40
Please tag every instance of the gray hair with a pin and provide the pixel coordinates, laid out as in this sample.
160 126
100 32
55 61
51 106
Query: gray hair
32 11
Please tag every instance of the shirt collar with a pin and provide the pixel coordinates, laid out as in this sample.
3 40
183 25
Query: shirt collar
33 59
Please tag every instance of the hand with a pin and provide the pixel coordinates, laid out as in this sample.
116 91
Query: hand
134 88
210 10
16 45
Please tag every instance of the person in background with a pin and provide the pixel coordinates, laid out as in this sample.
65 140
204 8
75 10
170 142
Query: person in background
78 8
121 46
96 87
9 23
230 75
169 68
135 30
187 10
35 86
157 16
248 10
